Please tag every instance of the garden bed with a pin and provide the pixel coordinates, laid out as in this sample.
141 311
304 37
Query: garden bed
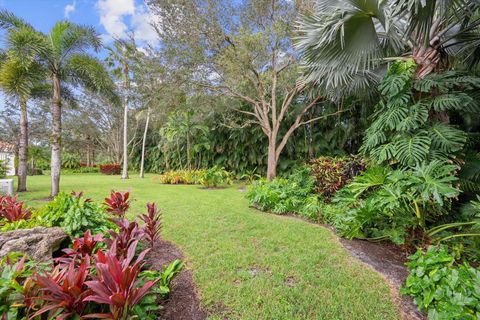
183 303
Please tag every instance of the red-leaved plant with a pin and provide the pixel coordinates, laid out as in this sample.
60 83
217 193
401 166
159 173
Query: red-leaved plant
118 203
116 283
82 247
13 210
153 223
64 290
128 233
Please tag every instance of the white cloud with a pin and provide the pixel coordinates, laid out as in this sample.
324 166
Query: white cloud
69 9
114 16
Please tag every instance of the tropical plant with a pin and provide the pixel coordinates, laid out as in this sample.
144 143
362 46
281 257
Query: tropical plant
281 196
118 203
382 203
343 44
153 223
75 214
128 233
3 169
63 52
14 269
64 290
70 161
21 76
443 289
116 283
406 127
215 177
12 210
333 173
182 177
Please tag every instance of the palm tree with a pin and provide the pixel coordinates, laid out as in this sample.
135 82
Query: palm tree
20 76
63 52
343 43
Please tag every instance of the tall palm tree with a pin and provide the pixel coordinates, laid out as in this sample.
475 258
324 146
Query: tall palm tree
343 43
20 77
63 52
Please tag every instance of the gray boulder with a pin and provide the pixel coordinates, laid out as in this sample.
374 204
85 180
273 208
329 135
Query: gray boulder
38 243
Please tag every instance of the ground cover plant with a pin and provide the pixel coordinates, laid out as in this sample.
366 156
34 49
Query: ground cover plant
263 266
99 276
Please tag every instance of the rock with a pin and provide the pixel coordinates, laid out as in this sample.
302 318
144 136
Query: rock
38 243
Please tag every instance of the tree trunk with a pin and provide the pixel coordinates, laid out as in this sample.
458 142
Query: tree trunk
125 118
23 147
272 158
56 138
189 160
142 161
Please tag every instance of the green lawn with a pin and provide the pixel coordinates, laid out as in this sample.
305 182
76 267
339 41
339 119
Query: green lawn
248 264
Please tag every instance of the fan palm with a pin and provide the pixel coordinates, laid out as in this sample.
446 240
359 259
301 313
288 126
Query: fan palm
20 77
343 43
63 52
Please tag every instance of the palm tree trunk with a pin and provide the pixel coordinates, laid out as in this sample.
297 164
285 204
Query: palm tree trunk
142 162
56 138
23 147
189 160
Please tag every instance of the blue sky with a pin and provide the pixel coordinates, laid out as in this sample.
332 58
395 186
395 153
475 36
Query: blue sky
112 18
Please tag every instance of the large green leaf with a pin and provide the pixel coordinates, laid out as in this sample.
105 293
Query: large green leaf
412 149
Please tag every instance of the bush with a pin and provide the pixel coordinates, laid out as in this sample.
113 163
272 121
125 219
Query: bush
393 204
70 161
332 174
443 289
75 214
292 195
110 169
81 170
181 177
34 171
215 177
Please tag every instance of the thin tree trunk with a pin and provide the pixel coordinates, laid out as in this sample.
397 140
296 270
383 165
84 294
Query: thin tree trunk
56 138
272 158
125 119
142 161
23 147
189 160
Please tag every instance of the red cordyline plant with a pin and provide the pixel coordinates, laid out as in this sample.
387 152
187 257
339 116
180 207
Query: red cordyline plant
128 233
118 203
64 291
153 223
13 210
116 283
84 246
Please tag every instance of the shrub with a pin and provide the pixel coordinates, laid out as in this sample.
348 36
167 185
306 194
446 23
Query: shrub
70 161
3 169
110 169
215 177
34 171
443 289
332 174
181 177
13 210
292 195
118 203
392 204
75 214
81 170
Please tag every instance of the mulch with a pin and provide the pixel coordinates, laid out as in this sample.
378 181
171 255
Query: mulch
389 260
183 303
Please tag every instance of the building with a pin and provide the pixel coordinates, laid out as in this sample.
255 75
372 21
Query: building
7 154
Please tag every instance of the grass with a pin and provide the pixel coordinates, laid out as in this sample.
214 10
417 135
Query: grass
248 264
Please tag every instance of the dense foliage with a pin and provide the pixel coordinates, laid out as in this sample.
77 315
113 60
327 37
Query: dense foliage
441 287
110 169
334 173
282 195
